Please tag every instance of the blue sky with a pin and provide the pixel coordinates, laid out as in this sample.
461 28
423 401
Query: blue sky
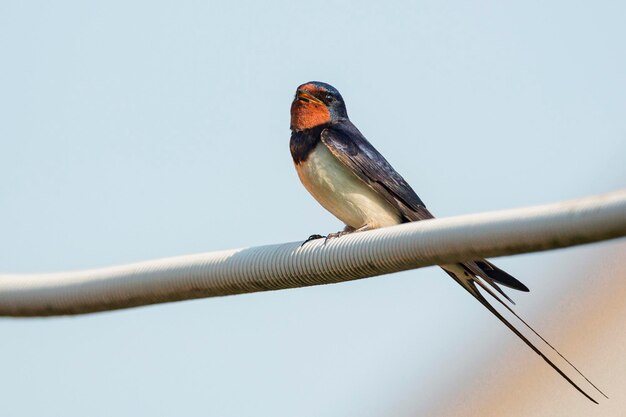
152 129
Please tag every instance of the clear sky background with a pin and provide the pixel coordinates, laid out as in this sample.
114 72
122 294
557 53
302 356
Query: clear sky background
133 131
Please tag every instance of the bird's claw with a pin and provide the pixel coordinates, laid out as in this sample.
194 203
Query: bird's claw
330 236
310 238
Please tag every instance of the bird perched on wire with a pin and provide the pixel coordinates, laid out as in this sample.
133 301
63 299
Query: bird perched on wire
354 182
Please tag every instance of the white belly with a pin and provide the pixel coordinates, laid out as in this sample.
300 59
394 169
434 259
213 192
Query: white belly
342 193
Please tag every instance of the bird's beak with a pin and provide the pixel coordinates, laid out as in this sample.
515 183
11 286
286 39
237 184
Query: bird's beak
301 95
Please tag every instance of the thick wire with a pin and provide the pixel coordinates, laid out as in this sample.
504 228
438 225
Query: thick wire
290 265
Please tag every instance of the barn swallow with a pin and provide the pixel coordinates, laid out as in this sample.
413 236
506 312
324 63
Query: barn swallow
354 182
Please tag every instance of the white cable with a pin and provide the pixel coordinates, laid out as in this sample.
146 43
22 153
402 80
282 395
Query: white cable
289 265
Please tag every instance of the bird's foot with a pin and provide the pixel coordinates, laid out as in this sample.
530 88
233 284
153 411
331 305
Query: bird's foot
310 238
336 235
346 231
327 237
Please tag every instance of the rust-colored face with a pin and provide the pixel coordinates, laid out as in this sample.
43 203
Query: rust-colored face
307 110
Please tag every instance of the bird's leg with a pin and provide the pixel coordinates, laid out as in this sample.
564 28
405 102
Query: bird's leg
346 231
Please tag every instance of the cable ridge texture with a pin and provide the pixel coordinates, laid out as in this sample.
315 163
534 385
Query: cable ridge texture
290 265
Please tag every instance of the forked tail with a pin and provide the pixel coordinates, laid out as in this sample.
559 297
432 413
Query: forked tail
471 274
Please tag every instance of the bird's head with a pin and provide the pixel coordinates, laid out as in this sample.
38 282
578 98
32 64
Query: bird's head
315 104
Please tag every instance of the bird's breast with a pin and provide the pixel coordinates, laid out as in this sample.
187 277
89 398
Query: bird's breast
342 193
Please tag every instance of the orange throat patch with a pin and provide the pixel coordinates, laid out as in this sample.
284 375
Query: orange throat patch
308 115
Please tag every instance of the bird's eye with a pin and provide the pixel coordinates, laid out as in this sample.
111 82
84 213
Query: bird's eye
329 97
